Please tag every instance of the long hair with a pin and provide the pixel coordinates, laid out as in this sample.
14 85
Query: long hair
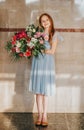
51 29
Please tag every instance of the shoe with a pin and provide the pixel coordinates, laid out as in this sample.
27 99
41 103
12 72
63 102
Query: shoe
44 123
37 123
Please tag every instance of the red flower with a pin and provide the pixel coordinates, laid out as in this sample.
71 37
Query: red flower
24 34
14 38
13 49
28 39
21 54
27 53
21 35
13 42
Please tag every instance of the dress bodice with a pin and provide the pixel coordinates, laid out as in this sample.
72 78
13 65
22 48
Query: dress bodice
47 45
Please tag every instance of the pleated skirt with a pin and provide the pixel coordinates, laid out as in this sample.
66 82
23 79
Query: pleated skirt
43 75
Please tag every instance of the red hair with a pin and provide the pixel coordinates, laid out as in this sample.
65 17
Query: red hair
51 29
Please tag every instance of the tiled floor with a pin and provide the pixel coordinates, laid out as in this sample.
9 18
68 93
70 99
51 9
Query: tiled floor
57 121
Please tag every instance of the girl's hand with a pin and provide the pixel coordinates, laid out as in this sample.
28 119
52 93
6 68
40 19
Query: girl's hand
46 37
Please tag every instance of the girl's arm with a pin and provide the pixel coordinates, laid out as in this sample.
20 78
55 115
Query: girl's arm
53 48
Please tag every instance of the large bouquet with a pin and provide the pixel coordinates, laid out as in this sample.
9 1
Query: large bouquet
26 43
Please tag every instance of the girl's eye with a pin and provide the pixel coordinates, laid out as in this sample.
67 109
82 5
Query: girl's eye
43 21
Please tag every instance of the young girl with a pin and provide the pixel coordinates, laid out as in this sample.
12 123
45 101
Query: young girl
42 80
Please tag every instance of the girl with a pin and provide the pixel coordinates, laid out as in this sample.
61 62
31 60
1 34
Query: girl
42 80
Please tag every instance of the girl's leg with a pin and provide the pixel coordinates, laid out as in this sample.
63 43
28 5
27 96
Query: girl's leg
45 104
39 98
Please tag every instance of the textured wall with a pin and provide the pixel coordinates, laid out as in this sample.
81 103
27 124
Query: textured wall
14 77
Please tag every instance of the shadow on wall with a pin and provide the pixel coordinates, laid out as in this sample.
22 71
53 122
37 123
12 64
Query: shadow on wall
14 77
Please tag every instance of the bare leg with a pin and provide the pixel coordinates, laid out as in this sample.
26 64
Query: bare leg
45 104
39 98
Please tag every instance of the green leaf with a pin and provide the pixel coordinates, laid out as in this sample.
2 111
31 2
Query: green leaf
8 46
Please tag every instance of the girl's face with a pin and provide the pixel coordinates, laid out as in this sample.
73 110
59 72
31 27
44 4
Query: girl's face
45 22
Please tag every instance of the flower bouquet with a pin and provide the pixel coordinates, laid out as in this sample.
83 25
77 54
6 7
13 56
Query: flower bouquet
27 43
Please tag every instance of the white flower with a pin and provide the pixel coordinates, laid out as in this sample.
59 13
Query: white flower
30 30
30 44
18 44
34 30
34 40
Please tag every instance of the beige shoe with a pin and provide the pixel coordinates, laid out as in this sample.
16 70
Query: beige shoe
44 123
38 123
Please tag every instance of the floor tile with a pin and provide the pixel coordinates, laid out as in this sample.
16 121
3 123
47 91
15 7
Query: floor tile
57 121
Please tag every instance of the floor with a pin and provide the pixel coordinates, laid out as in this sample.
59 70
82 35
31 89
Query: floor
57 121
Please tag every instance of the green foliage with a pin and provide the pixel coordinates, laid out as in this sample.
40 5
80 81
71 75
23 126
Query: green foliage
8 46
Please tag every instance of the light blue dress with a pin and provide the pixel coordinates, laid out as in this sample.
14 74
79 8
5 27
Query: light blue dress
42 78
